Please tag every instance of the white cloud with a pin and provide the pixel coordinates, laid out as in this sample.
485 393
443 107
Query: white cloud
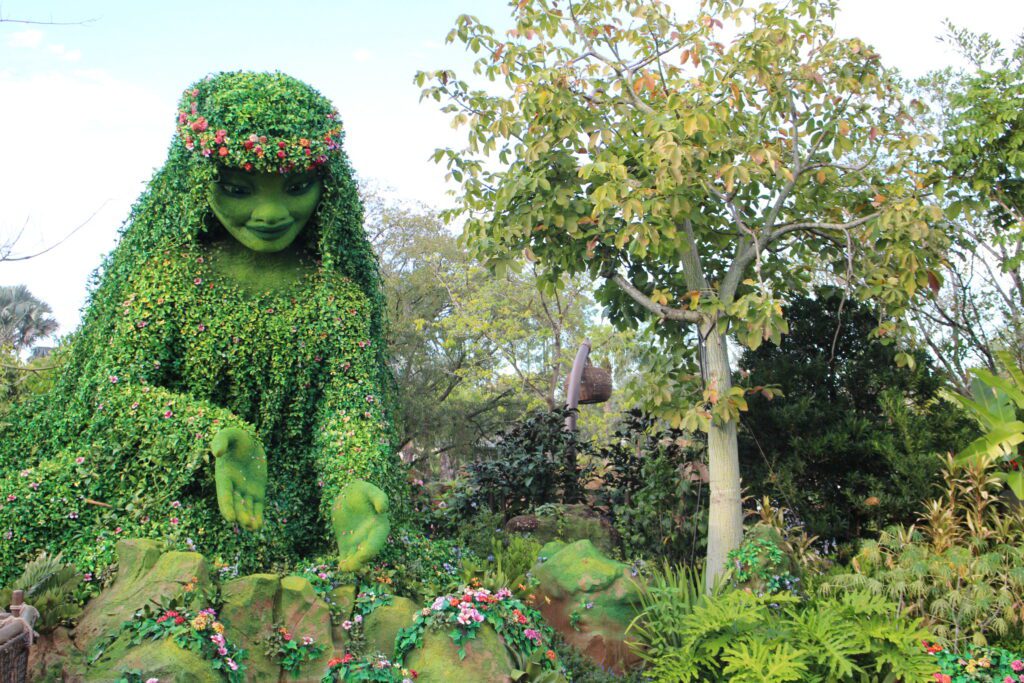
69 166
30 38
362 55
64 53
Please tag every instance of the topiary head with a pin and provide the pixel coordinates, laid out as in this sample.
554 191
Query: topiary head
250 125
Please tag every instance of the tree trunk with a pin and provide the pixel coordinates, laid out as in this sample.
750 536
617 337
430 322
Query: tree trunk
725 515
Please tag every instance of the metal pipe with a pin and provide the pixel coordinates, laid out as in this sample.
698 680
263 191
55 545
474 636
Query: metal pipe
572 398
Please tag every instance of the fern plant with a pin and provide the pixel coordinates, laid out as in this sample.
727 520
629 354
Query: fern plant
685 634
49 586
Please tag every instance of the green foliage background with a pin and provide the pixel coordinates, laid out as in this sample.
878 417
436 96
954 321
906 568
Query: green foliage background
169 353
851 445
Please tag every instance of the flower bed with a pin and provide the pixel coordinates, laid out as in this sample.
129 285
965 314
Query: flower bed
986 664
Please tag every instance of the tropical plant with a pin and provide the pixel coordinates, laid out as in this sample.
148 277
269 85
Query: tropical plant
24 319
961 570
49 586
994 403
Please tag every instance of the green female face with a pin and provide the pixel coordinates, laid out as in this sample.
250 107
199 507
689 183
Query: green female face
264 211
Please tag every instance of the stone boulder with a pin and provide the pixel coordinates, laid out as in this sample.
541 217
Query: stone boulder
568 523
437 660
249 601
382 625
300 610
144 575
590 599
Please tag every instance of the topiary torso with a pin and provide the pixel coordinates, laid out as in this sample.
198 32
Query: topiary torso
181 341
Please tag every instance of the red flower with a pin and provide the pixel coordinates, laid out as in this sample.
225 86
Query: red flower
282 144
248 144
200 124
303 142
248 166
281 154
263 138
347 658
550 654
179 620
259 151
223 151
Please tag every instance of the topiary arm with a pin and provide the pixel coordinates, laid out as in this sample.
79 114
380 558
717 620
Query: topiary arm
144 392
353 446
353 433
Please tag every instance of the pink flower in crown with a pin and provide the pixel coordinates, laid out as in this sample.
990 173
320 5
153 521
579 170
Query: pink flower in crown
200 124
532 635
182 117
220 135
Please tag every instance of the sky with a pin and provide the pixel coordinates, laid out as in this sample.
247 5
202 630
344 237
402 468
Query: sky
87 103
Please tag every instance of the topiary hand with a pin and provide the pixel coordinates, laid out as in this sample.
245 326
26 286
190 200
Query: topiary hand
241 475
359 516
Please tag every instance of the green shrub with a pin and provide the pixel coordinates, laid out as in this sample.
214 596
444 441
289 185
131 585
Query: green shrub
530 464
685 634
654 490
848 447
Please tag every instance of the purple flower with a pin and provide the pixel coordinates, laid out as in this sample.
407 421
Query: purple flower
532 635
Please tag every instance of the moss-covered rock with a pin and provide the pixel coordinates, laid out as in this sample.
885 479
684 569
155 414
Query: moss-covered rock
304 614
342 600
590 599
382 625
247 612
437 659
568 523
160 659
144 575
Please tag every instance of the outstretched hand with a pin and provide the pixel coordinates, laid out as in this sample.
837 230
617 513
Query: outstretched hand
241 476
359 516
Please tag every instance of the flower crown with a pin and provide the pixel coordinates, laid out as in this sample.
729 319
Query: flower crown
259 122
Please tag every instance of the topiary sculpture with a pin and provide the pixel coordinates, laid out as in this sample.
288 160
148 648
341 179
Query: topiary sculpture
229 378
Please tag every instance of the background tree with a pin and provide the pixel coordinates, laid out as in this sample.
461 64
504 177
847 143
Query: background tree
853 444
471 353
700 179
24 319
978 115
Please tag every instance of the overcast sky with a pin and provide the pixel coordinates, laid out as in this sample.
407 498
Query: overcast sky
86 111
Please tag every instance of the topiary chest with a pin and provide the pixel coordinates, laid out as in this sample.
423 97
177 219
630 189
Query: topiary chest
271 357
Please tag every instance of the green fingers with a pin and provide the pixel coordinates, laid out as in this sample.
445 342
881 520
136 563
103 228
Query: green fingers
240 473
